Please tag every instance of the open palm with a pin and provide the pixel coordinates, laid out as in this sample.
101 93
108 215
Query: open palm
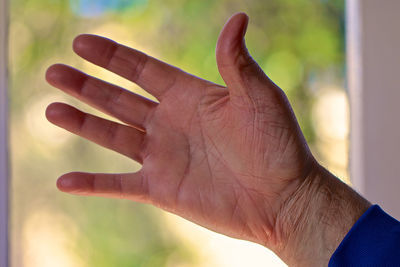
224 157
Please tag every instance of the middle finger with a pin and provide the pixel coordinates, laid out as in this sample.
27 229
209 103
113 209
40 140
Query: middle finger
120 103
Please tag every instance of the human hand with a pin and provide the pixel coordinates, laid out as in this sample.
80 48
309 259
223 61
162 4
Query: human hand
231 159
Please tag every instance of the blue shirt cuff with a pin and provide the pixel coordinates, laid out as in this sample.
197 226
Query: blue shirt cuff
372 241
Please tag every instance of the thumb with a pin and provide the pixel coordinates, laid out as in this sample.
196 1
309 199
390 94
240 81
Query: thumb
242 75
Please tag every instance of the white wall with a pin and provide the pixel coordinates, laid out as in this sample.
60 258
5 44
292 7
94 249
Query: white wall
374 81
3 136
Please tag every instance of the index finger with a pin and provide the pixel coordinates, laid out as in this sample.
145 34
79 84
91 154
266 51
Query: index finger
154 76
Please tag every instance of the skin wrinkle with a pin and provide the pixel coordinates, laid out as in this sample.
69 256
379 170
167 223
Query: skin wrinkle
194 114
118 67
270 102
237 181
189 157
83 123
169 86
110 52
113 101
319 191
83 87
169 114
209 105
137 148
139 68
235 205
146 158
95 86
281 235
207 161
262 218
145 186
204 213
284 147
185 171
148 118
255 222
143 147
111 134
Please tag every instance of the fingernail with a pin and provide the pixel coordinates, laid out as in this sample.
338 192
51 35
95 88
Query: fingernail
64 183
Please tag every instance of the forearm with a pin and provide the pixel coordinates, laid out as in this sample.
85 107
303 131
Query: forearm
316 218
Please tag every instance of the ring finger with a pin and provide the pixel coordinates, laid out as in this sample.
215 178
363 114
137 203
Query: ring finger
106 133
122 104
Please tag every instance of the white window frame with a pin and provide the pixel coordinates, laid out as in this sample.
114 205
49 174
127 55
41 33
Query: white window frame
373 41
3 135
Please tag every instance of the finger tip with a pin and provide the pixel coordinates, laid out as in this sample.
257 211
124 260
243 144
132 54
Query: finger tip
52 73
55 111
57 74
68 182
231 38
240 15
239 21
51 111
85 43
65 78
93 48
74 183
79 42
64 184
59 184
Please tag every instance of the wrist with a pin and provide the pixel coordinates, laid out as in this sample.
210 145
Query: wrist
315 218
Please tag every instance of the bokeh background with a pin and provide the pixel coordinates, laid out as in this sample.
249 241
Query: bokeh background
299 44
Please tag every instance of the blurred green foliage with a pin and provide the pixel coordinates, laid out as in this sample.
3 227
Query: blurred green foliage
295 42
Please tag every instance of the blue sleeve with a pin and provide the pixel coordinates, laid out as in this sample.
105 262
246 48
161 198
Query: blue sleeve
374 240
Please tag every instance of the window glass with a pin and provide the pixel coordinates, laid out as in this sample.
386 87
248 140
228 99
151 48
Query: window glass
298 43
